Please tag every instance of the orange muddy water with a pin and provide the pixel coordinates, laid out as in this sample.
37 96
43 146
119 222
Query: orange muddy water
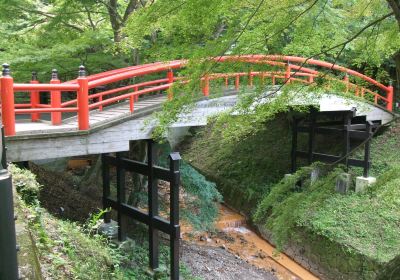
234 236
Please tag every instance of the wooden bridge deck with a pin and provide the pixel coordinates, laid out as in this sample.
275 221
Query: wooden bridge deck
97 118
112 129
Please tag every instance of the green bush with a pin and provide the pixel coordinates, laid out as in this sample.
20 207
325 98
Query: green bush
25 184
368 223
201 209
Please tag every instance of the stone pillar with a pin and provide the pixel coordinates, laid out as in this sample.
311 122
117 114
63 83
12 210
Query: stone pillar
362 183
343 183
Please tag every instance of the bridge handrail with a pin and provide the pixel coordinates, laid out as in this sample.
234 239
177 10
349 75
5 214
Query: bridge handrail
294 69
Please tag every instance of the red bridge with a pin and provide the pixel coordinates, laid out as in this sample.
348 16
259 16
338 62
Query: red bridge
90 108
82 105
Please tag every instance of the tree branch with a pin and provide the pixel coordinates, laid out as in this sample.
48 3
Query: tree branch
132 5
395 5
90 18
352 38
52 16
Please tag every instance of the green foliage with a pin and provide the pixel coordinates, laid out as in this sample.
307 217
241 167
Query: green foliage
368 223
365 223
287 202
25 184
41 35
69 250
201 209
71 253
243 169
385 149
74 251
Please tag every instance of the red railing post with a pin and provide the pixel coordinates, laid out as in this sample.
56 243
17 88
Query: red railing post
237 82
250 78
35 99
390 97
287 73
55 99
7 101
346 80
273 79
132 100
311 79
131 103
206 86
83 100
170 77
226 82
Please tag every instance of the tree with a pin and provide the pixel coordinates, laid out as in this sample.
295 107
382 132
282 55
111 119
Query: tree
41 35
357 33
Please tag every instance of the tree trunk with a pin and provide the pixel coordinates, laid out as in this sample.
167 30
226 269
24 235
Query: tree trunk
135 56
397 83
137 184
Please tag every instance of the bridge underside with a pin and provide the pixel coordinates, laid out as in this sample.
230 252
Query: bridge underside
112 129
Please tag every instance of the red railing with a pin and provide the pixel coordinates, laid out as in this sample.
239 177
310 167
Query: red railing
292 69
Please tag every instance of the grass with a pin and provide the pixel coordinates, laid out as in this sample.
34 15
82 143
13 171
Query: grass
367 223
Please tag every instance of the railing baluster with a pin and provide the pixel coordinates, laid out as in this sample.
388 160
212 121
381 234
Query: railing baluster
55 99
83 100
206 85
389 97
170 77
7 101
131 103
35 99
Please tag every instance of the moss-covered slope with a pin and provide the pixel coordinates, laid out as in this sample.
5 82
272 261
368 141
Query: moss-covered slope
352 236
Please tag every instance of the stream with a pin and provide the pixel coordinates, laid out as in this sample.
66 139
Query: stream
234 235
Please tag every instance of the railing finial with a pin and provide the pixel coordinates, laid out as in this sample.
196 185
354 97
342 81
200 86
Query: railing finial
34 76
6 69
54 74
82 71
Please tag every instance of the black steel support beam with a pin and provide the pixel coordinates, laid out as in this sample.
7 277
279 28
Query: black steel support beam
311 135
105 169
174 213
153 206
8 240
294 145
121 198
367 150
154 222
8 244
346 139
345 128
331 158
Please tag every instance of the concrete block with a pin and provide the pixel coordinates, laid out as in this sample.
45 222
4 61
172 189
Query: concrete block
315 174
286 176
362 183
343 182
110 230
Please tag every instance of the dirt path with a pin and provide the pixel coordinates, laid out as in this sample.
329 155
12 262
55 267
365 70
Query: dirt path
211 263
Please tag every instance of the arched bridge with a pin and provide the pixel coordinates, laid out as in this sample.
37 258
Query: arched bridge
101 113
